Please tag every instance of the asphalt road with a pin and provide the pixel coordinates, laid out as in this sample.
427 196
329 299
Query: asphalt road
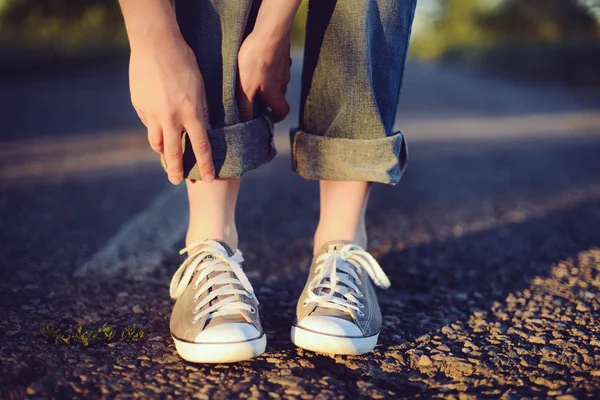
491 241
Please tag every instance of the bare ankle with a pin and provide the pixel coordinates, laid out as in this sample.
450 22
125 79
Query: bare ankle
326 234
227 234
212 211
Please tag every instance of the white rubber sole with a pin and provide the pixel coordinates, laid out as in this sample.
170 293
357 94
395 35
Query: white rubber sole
328 344
221 352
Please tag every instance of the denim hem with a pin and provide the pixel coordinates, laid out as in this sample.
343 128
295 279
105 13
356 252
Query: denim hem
342 159
236 149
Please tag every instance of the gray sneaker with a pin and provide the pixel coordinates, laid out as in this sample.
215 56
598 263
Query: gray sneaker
215 318
338 312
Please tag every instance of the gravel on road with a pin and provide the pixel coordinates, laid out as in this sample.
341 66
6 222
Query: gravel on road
492 245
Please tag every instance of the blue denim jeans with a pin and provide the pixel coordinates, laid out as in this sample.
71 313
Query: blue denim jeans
354 61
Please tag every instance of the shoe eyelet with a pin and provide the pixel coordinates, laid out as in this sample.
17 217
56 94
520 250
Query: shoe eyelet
359 294
305 303
361 305
362 314
195 299
253 310
194 321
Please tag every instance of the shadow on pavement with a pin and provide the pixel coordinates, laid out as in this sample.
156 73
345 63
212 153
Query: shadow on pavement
472 222
435 285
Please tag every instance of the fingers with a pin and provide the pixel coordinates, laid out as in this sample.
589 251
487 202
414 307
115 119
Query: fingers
142 118
155 136
286 81
245 99
204 106
275 100
288 72
201 146
172 151
197 127
278 104
165 134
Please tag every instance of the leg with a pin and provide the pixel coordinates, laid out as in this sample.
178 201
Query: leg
354 61
215 29
343 206
212 211
237 146
215 317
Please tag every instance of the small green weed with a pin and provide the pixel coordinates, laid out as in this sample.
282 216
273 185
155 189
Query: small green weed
55 334
84 336
133 334
107 332
87 337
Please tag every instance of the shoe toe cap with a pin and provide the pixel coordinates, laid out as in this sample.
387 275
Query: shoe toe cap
330 326
228 333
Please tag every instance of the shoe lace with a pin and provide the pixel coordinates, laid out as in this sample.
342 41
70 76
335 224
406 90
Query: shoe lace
210 257
337 271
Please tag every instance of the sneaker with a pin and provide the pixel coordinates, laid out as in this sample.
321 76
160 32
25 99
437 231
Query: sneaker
338 312
215 318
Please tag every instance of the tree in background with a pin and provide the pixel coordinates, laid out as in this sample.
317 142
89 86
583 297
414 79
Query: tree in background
440 24
61 23
448 24
76 23
559 39
540 21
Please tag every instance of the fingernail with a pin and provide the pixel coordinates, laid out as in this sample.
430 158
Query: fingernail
208 178
175 180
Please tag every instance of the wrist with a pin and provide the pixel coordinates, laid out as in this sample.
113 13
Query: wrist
150 23
271 33
157 37
275 18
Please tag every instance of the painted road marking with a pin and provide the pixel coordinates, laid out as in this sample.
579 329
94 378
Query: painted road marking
140 246
142 243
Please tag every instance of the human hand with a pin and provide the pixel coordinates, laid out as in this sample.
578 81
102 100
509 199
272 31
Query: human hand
167 91
264 69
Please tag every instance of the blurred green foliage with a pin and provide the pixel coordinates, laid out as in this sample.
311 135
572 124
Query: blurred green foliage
443 25
540 21
533 40
77 24
467 31
299 23
62 24
440 24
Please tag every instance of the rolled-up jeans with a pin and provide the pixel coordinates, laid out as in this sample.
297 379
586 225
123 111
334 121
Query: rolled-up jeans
354 59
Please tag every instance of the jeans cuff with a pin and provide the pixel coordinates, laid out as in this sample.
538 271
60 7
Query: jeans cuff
236 149
341 159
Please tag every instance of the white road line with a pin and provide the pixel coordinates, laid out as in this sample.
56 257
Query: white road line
140 246
507 127
142 243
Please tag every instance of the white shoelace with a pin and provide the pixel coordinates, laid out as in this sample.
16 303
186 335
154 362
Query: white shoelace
218 260
340 266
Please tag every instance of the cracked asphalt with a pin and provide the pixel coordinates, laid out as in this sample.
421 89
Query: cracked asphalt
491 241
